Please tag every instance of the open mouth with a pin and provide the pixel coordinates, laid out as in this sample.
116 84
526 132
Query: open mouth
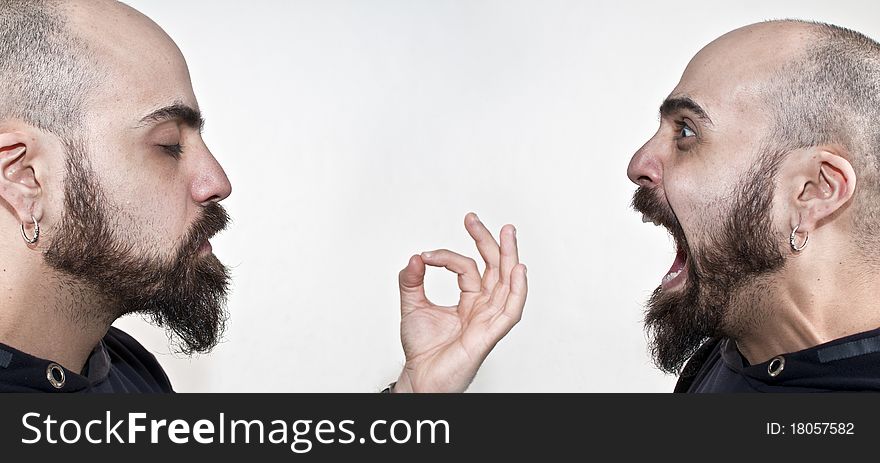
677 274
205 248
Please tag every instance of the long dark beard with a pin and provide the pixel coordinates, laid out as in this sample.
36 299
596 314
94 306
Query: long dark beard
186 294
723 291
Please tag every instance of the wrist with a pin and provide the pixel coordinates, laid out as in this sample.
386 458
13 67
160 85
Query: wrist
402 385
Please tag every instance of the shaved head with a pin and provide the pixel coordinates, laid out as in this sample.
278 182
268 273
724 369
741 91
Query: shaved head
46 70
829 93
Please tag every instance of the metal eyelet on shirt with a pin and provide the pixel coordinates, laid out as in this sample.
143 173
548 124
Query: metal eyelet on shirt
776 366
55 375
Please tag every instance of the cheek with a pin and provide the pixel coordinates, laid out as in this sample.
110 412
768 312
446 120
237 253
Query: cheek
700 201
151 203
151 219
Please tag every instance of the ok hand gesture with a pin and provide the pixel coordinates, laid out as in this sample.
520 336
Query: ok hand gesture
445 346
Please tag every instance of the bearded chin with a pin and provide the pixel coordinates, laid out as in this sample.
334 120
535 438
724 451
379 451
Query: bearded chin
188 301
725 294
186 293
677 323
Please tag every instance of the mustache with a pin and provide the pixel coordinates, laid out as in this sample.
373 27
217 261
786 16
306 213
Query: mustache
214 219
649 203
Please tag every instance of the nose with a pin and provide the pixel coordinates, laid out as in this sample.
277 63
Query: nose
210 184
645 168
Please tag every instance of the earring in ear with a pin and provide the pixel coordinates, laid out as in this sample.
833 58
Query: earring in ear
793 240
36 232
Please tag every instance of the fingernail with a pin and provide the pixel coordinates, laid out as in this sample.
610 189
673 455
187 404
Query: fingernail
426 255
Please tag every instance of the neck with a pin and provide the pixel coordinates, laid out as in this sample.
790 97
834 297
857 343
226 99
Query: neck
47 316
811 305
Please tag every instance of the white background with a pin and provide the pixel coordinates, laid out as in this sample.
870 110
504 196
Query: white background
356 133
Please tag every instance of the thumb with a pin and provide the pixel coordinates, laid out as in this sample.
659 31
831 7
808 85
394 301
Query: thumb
412 284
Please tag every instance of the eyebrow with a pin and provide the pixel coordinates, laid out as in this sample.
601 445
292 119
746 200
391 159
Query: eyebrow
676 104
177 111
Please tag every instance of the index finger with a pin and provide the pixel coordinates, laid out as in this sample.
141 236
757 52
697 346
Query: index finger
486 244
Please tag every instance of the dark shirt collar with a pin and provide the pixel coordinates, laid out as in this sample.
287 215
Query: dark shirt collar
22 372
848 363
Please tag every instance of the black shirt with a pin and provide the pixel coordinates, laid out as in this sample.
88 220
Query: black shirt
117 364
851 363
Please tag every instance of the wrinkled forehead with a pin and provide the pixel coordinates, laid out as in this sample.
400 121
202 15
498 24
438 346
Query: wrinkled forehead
730 78
144 68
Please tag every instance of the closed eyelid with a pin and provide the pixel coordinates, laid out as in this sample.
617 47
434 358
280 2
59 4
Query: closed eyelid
166 131
175 150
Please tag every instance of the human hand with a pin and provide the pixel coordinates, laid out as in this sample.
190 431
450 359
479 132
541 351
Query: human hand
445 346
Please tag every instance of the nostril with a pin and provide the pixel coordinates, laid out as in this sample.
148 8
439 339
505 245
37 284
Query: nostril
644 181
213 199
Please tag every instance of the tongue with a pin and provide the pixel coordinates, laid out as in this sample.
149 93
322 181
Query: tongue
678 264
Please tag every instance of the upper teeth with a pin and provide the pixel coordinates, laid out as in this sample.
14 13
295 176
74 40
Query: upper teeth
645 219
669 277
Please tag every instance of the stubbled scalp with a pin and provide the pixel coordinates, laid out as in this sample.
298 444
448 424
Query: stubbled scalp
829 94
46 70
57 55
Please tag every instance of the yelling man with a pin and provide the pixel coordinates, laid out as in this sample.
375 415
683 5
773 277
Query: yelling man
110 197
765 171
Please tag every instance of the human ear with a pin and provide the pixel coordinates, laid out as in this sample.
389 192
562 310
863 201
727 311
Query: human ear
825 182
19 187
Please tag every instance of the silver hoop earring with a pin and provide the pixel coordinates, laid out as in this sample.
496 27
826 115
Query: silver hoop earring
36 232
793 240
